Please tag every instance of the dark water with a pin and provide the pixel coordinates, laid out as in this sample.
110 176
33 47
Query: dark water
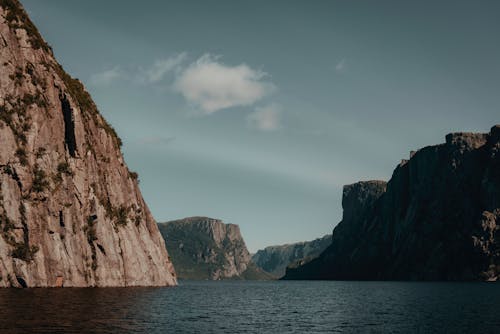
257 307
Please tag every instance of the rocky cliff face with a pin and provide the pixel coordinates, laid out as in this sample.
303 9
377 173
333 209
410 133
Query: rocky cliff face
438 218
206 248
275 259
71 213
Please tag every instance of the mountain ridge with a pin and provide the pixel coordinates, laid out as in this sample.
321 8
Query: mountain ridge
274 259
207 248
438 218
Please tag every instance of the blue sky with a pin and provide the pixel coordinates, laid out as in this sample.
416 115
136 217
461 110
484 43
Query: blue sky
258 112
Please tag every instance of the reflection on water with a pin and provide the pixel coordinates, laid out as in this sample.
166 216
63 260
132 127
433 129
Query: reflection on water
256 307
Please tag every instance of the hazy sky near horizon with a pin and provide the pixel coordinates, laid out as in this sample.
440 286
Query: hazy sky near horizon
258 112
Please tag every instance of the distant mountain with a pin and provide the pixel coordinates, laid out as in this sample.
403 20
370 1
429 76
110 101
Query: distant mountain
275 259
438 218
206 248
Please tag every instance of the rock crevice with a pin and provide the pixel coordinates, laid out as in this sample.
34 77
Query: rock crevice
69 126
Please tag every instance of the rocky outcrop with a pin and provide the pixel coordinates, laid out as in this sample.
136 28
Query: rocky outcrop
71 213
206 248
275 259
438 218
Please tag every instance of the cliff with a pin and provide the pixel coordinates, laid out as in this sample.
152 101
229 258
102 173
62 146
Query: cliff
71 213
206 248
275 259
436 219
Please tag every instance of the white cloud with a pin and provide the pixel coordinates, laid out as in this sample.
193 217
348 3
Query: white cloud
161 68
340 66
213 86
106 77
266 118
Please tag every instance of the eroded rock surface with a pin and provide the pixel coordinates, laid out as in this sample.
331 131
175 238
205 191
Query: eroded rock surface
206 248
71 213
438 218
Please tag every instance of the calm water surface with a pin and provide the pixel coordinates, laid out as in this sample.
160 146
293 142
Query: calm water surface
257 307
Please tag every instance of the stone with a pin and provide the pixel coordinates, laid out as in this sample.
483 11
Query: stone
69 209
206 248
275 259
436 219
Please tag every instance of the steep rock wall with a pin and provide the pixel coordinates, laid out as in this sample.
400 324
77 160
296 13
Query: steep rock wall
71 214
438 219
206 248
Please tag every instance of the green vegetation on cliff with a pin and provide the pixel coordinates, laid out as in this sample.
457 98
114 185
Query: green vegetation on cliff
206 248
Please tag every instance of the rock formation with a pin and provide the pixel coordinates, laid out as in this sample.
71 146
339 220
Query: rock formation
438 218
275 259
206 248
71 213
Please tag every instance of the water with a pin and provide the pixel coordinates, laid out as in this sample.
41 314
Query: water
257 307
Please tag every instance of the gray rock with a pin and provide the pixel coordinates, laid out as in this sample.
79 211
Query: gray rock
275 259
206 248
438 218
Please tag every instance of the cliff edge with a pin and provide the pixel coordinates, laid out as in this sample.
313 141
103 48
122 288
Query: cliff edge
206 248
71 213
438 218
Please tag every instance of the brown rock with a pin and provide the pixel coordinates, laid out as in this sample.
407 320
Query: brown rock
69 208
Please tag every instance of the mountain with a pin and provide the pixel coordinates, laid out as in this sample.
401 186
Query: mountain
438 218
206 248
71 213
275 259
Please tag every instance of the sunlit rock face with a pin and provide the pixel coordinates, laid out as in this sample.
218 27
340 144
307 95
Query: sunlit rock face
438 218
71 213
206 248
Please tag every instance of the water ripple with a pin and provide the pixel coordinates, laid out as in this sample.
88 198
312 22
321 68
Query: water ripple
256 307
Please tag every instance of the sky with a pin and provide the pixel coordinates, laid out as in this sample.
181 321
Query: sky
258 112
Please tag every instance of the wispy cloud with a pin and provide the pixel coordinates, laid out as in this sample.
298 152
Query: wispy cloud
153 74
206 84
266 118
106 77
160 68
340 66
212 86
156 140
